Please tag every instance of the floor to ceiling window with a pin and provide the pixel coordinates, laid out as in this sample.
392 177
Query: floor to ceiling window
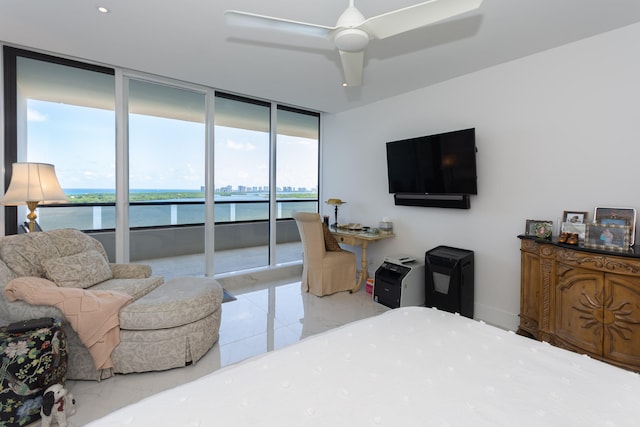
297 160
166 155
166 146
264 166
241 175
65 115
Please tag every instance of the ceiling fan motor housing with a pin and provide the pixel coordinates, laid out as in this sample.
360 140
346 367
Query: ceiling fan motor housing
351 40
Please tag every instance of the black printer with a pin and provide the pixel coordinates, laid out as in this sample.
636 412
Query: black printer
399 282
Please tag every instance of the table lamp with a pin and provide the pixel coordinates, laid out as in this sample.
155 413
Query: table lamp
33 183
336 203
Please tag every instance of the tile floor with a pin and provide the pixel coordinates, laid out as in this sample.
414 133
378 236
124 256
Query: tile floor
265 317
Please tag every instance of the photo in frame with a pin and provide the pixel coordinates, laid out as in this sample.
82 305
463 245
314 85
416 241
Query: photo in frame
575 217
608 236
539 228
574 222
572 227
617 216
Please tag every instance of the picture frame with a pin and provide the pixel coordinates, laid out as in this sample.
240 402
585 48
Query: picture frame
572 227
617 216
575 217
539 228
612 237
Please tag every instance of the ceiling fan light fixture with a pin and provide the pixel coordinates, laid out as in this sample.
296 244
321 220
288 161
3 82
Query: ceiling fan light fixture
351 40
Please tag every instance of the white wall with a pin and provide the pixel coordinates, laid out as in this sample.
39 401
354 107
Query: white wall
555 131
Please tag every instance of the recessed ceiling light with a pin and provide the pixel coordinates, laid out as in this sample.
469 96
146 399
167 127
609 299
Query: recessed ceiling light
344 84
103 9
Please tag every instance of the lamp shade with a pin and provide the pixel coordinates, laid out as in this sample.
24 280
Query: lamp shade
335 202
33 182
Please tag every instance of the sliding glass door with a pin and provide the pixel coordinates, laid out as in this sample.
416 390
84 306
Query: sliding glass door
297 157
242 170
65 115
166 157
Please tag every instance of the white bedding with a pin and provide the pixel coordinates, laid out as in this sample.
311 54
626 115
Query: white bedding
407 367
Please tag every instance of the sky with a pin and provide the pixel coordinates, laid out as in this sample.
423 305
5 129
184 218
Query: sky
164 153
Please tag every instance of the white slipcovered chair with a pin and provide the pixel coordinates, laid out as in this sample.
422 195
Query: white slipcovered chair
324 272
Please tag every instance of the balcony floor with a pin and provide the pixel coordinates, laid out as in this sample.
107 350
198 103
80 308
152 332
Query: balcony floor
225 262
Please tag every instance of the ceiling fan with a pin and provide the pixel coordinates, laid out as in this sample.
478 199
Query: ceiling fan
352 32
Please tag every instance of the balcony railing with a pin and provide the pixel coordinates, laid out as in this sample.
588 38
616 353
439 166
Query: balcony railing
102 216
175 228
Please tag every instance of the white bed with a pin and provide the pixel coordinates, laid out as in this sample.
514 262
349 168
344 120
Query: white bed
407 367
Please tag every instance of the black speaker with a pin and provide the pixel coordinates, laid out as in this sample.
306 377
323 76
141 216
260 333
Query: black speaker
433 201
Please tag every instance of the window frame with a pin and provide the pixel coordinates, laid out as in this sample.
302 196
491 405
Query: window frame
10 154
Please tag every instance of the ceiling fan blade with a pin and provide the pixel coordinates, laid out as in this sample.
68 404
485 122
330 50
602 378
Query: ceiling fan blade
352 65
416 16
253 20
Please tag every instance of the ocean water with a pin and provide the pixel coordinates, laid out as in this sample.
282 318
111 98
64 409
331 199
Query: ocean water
254 207
257 196
69 191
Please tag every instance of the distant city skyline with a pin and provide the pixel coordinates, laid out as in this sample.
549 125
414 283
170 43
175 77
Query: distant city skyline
228 189
244 189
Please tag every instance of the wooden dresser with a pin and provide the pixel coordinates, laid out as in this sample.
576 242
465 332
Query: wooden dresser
581 299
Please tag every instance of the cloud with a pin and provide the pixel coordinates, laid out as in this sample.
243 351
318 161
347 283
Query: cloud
35 116
240 146
293 140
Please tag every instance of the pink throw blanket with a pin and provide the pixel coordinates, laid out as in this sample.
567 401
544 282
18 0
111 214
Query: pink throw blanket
92 314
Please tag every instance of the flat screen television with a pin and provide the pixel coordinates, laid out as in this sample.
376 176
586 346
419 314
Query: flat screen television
436 164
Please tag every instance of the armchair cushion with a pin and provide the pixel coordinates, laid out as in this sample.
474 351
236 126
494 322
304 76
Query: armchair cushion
81 270
330 242
130 271
136 288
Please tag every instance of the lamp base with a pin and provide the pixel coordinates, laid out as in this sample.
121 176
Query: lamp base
31 216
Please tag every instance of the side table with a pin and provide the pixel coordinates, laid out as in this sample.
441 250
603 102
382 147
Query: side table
31 361
358 238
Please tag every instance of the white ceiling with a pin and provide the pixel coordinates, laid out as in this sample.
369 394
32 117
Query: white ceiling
189 40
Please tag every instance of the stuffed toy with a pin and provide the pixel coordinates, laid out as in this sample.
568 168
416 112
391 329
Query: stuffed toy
57 404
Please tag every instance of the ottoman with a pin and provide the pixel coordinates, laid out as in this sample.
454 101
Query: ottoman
31 361
172 326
